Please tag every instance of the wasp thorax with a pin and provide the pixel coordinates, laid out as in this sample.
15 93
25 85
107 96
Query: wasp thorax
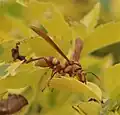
62 72
63 66
69 63
68 68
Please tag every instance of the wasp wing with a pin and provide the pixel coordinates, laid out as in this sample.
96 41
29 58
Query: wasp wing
49 40
77 49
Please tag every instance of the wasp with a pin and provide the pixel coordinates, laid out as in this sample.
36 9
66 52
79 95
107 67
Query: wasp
12 104
71 67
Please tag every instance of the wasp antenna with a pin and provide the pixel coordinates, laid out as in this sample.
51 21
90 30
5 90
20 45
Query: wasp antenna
94 75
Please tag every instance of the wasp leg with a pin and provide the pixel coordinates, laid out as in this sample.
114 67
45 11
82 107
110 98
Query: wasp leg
82 77
31 59
52 75
48 84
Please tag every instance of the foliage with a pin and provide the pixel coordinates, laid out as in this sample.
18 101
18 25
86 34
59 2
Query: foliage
65 95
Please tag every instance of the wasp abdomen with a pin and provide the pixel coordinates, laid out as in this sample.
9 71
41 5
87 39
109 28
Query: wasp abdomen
42 63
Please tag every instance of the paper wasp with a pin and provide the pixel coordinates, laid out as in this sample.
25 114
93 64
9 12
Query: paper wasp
12 104
71 67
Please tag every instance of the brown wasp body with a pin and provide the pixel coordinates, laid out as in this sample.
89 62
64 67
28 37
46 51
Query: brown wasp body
13 104
71 67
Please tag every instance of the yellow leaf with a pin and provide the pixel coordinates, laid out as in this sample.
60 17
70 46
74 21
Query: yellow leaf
111 113
63 110
11 70
105 62
51 19
18 28
23 2
73 85
90 20
6 56
111 78
4 37
90 108
115 9
79 30
75 9
102 36
26 75
20 90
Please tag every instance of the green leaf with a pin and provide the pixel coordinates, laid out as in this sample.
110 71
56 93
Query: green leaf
22 2
26 91
13 27
1 50
6 56
14 9
106 34
73 85
90 20
77 8
49 17
111 79
65 109
29 76
4 37
79 30
11 70
90 108
111 113
19 91
3 68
